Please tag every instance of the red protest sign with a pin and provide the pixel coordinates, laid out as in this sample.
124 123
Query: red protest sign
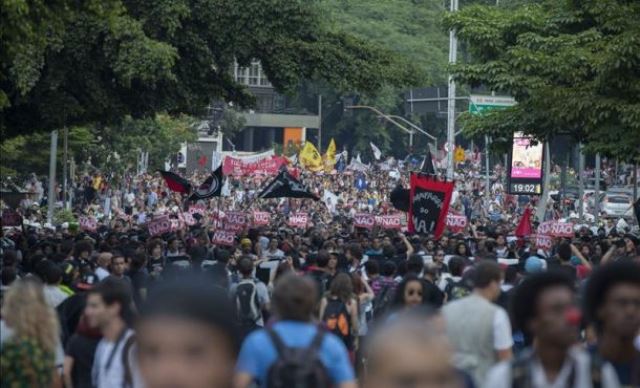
159 225
11 218
545 227
88 223
456 223
236 218
544 242
391 221
562 229
223 237
261 218
364 220
298 220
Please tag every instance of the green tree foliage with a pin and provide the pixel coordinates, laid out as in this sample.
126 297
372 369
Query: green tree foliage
573 67
111 148
74 63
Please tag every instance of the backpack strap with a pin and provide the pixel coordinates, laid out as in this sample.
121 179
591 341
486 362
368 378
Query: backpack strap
277 341
521 371
316 343
128 375
595 369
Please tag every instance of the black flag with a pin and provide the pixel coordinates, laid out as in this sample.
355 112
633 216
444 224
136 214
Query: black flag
427 165
286 186
212 187
175 182
636 209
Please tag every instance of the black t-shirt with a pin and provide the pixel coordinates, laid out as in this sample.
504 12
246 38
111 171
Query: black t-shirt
82 349
568 269
139 281
432 294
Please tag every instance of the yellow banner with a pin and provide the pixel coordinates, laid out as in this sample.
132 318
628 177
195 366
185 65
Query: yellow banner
310 158
330 156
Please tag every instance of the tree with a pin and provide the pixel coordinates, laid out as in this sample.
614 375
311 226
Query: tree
108 148
74 63
571 65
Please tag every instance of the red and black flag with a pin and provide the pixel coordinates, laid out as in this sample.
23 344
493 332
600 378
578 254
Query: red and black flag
211 187
176 183
428 205
286 186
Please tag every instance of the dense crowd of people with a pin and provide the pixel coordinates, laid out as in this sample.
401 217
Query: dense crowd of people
329 304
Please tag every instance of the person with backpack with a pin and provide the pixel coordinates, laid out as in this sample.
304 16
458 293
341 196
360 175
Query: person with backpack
479 330
109 309
339 311
250 296
294 352
453 284
543 307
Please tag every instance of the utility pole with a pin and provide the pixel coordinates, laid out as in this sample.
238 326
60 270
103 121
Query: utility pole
580 182
596 194
65 160
319 123
487 181
542 205
451 102
52 176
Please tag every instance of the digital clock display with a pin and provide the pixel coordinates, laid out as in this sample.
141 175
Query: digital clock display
526 188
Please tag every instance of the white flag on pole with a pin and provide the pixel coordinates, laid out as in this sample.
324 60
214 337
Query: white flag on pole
376 151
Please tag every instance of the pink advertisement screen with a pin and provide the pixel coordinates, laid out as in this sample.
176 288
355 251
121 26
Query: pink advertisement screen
526 160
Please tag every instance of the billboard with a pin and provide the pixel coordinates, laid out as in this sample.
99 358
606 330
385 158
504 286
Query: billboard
525 165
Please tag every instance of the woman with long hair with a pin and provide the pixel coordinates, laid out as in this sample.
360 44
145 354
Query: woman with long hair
339 311
28 357
409 293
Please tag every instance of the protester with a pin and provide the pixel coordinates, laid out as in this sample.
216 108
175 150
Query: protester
251 297
411 351
612 305
543 308
109 309
479 331
30 346
79 355
186 335
339 311
264 353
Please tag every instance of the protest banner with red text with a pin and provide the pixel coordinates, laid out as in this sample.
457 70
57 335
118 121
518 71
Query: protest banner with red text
261 218
298 220
159 225
88 223
238 167
456 223
391 221
223 237
364 220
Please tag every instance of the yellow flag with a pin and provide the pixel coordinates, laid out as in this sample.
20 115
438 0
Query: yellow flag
310 157
330 156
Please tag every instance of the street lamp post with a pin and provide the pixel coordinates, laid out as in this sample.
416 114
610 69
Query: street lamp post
451 101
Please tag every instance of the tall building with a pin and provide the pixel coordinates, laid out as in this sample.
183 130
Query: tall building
274 120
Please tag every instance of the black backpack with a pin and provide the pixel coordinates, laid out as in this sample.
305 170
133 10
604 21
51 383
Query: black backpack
382 301
247 304
456 290
297 367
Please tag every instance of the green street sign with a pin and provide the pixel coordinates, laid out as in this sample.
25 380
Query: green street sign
479 103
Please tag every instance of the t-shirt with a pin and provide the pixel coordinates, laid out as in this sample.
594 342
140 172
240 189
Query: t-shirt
263 296
258 352
23 363
108 368
82 349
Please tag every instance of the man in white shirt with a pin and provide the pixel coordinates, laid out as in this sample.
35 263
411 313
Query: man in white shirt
479 330
104 259
109 308
52 275
544 311
272 252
